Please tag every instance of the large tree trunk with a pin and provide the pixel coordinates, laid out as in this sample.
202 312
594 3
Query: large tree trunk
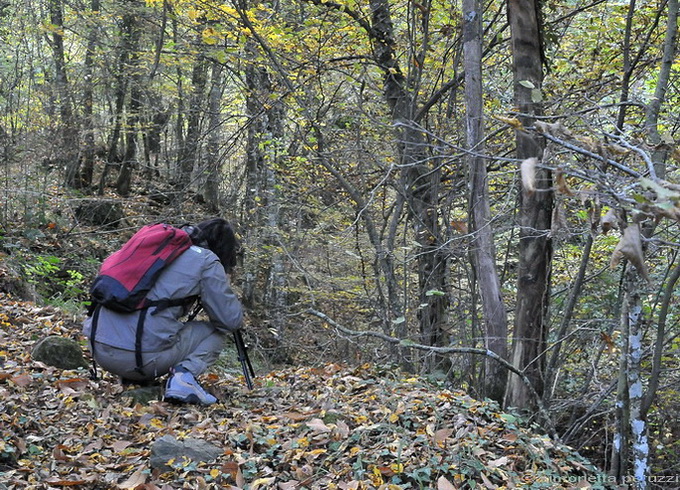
535 246
483 247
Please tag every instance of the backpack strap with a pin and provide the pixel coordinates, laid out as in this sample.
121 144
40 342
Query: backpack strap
159 305
162 304
138 339
94 313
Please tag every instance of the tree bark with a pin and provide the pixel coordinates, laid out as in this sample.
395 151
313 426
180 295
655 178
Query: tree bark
189 151
483 247
122 81
263 203
535 210
89 151
634 319
211 189
132 36
639 403
660 150
68 143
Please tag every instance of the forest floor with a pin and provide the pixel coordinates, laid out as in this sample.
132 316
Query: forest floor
301 427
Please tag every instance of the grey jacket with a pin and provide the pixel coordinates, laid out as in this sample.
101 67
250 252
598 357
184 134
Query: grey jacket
197 272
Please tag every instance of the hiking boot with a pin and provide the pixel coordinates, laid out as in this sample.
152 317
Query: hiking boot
182 387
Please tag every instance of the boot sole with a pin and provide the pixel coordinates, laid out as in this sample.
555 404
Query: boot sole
178 400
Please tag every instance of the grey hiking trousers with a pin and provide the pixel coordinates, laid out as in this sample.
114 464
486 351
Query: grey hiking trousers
197 346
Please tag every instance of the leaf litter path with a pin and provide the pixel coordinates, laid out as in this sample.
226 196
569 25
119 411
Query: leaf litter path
301 428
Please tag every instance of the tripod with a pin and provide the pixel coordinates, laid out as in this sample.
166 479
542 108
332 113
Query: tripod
241 349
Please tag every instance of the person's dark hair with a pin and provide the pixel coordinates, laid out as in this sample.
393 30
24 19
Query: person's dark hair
217 235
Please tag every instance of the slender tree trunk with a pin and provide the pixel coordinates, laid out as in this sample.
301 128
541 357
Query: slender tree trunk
634 319
566 317
211 187
654 107
68 144
657 360
89 151
263 203
173 173
189 152
535 215
639 403
122 78
627 66
621 444
132 36
483 247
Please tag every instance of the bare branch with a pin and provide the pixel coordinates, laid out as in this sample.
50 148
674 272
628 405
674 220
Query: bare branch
444 350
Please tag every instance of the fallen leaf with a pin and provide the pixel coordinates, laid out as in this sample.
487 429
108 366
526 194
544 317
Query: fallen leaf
487 482
289 485
444 484
58 453
498 462
441 435
59 482
262 482
317 425
22 380
341 430
296 416
136 479
119 446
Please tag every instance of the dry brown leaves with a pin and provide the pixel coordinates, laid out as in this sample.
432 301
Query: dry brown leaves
315 428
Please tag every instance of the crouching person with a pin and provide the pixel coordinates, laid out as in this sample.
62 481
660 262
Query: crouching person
143 345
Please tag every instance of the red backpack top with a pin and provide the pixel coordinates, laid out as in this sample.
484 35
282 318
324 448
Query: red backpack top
127 275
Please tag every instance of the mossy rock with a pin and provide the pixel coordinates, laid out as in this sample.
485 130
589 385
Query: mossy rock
100 212
59 352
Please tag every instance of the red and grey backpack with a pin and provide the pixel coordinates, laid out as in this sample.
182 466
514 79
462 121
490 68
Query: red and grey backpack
127 276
